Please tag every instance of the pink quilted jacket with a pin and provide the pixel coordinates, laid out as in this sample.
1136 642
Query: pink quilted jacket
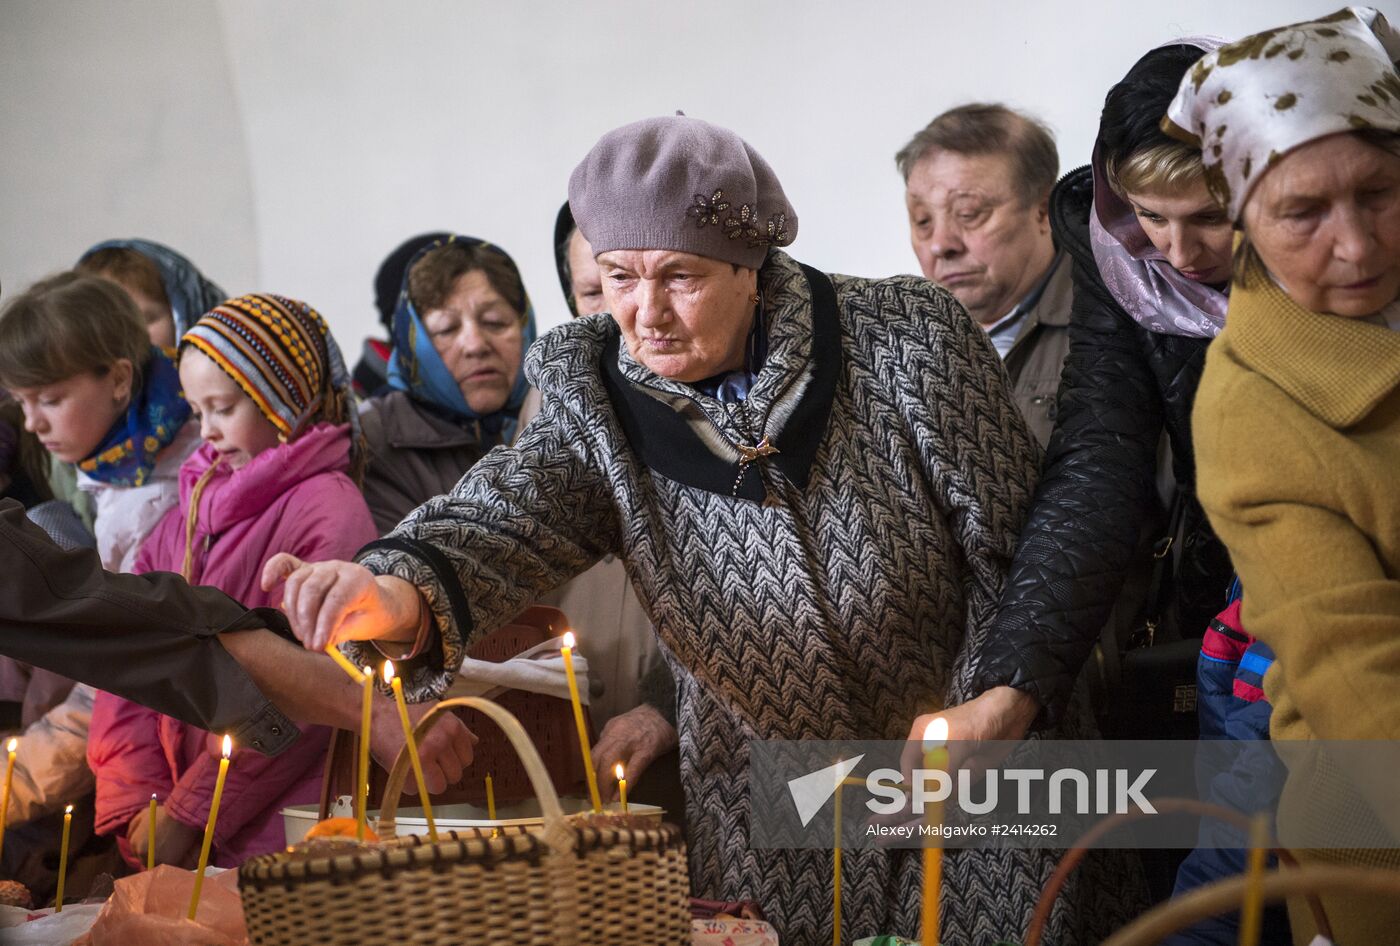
297 498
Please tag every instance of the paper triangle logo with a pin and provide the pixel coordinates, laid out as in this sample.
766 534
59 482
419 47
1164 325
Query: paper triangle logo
810 792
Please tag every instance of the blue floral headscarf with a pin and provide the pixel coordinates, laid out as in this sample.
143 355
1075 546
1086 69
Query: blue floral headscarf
416 368
127 454
190 294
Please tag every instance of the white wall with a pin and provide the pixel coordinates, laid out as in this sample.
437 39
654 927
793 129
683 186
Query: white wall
290 146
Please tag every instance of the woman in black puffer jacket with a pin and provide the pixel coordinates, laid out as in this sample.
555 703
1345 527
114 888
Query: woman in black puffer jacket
1151 259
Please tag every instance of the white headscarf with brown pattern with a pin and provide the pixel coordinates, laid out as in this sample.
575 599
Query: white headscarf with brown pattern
1247 104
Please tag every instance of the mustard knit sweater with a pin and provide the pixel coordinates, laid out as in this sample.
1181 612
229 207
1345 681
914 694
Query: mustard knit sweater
1297 434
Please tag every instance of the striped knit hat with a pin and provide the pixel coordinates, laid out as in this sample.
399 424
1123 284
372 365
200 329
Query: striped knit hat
280 352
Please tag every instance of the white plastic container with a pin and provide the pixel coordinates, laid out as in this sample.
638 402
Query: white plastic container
298 819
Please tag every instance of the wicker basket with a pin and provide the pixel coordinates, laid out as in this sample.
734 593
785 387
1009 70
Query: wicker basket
563 884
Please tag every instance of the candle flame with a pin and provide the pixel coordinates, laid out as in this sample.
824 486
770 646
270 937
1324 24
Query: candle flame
569 639
228 746
368 671
617 769
12 745
67 809
936 733
388 671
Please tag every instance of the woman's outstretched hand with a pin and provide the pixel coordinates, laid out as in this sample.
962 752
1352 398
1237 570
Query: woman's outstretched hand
330 602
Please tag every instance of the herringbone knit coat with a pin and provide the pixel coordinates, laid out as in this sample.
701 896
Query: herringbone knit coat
832 590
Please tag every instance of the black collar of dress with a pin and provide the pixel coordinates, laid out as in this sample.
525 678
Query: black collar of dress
665 442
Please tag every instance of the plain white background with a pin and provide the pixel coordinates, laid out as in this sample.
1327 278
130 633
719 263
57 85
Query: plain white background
288 147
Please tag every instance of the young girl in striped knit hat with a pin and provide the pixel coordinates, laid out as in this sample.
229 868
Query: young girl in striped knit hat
278 471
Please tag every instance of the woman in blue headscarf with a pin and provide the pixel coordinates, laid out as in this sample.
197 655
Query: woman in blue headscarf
170 292
461 329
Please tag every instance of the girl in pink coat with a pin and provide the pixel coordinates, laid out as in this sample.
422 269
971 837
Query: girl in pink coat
278 472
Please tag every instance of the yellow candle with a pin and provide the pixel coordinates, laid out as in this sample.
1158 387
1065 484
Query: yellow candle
568 652
935 759
209 827
362 788
491 803
396 685
10 747
343 662
63 858
151 834
621 785
1252 916
836 872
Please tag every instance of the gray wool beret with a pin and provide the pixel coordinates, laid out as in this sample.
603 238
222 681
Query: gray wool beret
678 183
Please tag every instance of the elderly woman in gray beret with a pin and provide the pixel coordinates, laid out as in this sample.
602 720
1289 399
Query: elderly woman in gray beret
816 483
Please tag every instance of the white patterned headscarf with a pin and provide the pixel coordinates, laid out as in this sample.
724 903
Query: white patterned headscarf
1247 104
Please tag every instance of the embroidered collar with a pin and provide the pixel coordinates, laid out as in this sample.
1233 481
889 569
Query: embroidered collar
719 447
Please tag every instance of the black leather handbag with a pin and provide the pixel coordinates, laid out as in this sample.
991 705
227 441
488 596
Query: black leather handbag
1149 688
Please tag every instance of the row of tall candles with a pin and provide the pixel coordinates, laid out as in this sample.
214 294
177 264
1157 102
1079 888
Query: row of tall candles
365 678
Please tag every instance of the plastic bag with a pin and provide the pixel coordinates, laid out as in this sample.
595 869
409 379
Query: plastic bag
44 927
148 909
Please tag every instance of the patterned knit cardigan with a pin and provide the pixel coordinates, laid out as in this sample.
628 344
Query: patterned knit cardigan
830 590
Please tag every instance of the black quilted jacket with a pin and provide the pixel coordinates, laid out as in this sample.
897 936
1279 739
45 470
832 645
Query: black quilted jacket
1121 384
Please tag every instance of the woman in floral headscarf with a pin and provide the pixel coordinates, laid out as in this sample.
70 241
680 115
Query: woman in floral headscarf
1297 425
461 329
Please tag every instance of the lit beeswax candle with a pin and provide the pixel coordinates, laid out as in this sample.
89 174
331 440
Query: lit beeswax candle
396 684
568 651
621 785
63 858
151 834
11 747
209 827
935 759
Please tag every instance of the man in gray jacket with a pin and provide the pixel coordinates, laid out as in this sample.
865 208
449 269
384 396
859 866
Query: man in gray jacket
977 187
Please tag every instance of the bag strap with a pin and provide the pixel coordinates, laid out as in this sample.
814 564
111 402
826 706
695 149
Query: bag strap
1166 553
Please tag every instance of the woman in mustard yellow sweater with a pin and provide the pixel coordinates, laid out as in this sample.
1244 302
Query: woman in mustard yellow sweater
1297 420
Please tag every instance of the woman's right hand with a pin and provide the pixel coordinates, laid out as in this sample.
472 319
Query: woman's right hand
330 602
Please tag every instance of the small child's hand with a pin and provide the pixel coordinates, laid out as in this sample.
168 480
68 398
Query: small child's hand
176 842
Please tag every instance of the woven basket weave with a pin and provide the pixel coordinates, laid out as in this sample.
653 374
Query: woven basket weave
566 884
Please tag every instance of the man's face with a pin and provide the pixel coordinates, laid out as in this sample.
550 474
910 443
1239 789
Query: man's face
973 233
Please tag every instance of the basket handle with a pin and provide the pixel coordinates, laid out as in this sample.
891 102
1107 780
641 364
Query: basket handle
1215 898
1041 916
519 740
